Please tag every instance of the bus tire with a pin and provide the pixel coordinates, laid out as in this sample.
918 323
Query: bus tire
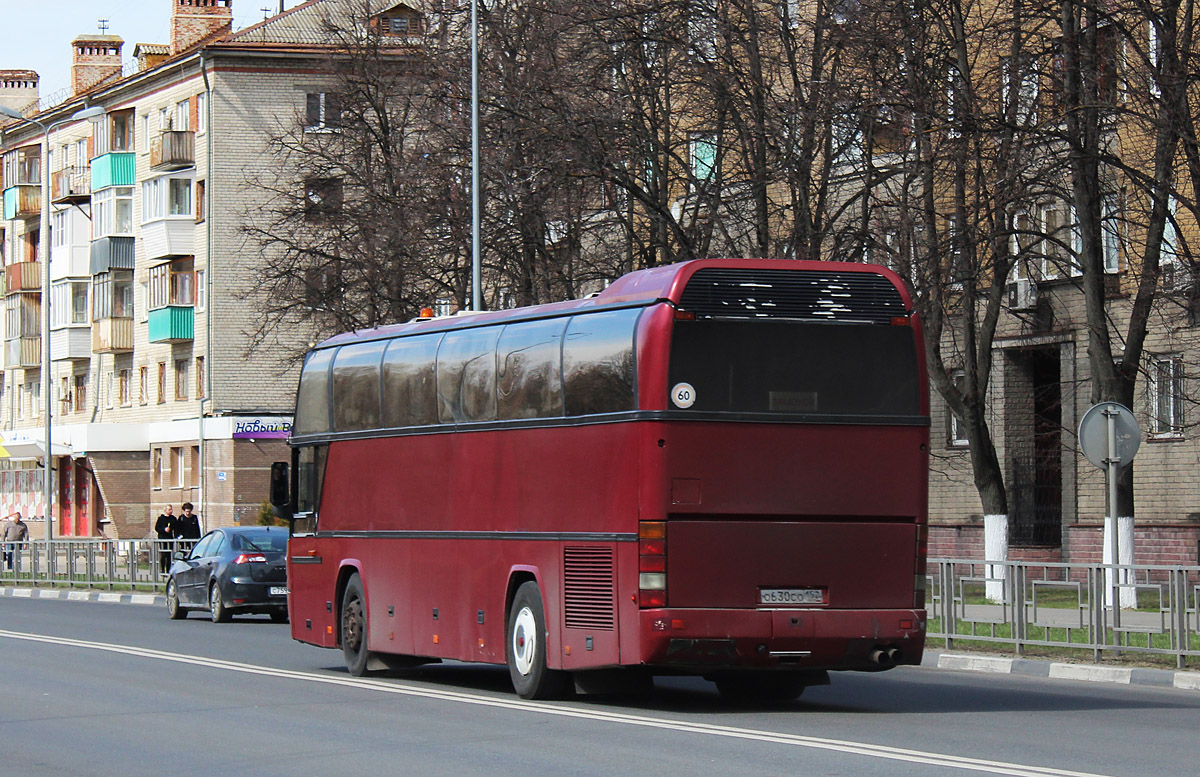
353 635
750 686
526 648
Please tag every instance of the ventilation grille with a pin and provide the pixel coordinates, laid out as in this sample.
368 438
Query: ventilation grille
814 295
589 588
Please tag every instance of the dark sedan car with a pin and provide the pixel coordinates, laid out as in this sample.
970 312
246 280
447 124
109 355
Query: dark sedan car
232 570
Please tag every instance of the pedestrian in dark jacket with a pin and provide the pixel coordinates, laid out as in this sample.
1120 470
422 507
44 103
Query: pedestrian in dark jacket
165 528
187 527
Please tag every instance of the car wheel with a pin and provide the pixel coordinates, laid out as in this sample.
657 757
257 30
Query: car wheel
354 627
279 616
526 653
173 609
216 608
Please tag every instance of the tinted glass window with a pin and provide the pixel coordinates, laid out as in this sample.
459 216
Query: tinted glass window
312 404
466 376
797 368
356 386
220 545
310 472
598 362
528 370
203 547
409 381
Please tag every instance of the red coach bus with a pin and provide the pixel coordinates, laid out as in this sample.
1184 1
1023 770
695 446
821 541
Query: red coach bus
717 467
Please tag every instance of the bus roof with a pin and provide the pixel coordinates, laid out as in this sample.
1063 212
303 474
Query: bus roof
635 289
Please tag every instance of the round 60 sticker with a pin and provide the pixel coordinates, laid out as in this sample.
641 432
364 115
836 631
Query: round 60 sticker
683 395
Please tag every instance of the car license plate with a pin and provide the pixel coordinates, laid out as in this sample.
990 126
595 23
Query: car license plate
791 596
277 590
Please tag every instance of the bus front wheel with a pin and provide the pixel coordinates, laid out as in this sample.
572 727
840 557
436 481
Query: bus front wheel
354 627
526 652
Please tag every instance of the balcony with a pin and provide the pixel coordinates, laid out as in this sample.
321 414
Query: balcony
173 150
112 335
172 324
23 352
22 276
71 184
116 168
111 253
70 343
169 237
22 201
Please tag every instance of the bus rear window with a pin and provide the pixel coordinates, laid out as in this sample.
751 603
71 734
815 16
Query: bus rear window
795 368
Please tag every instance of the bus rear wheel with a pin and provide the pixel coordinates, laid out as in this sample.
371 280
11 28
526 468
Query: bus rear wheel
526 653
354 627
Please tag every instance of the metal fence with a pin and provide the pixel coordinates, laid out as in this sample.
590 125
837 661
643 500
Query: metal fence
127 565
1067 606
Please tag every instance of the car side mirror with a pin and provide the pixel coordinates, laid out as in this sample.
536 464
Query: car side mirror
180 555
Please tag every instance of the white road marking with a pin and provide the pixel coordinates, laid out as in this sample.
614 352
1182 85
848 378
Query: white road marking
542 708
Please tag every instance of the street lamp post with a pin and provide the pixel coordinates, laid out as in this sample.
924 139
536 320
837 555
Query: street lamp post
93 114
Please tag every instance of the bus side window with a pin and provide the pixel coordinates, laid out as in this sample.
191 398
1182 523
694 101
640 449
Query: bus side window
312 404
310 475
528 374
356 386
466 376
598 363
409 382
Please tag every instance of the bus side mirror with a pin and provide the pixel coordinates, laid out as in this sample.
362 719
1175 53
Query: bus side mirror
280 499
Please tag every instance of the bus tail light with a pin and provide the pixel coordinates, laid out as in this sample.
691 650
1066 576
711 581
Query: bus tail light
921 567
250 558
652 564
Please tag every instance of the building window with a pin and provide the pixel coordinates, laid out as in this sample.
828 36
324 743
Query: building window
181 379
112 295
81 388
322 196
200 377
108 389
143 385
201 292
322 112
60 228
1110 233
156 469
162 382
64 395
199 207
69 303
183 115
194 467
124 398
173 283
179 466
163 197
957 436
702 150
201 112
1166 397
112 211
115 133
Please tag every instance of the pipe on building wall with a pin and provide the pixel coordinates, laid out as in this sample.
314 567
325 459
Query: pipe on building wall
206 402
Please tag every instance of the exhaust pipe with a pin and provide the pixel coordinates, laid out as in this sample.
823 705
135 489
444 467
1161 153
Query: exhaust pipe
884 657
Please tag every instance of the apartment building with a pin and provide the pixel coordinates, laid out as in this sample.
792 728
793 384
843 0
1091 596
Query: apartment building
157 391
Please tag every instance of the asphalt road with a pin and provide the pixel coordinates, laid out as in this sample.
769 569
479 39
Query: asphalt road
108 689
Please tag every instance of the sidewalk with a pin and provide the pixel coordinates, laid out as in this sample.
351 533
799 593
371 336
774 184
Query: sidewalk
933 659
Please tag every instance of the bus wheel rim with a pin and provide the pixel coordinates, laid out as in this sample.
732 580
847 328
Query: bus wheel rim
353 628
524 641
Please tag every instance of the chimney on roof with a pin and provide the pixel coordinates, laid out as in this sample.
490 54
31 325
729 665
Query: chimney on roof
96 58
150 55
18 89
194 20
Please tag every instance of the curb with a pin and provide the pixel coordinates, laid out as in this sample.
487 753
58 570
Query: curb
1163 678
84 596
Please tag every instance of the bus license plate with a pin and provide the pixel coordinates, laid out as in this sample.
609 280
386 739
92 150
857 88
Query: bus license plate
791 596
277 590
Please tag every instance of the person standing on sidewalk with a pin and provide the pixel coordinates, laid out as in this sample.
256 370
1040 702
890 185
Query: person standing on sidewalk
16 534
166 529
187 526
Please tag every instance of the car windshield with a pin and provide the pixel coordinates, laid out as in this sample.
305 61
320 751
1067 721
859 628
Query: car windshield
264 543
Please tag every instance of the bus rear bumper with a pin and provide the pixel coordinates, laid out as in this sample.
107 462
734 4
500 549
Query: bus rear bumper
698 640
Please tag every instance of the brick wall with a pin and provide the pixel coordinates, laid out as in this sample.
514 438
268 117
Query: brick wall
122 477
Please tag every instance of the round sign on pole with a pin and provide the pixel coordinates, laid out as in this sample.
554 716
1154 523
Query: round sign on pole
1093 434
